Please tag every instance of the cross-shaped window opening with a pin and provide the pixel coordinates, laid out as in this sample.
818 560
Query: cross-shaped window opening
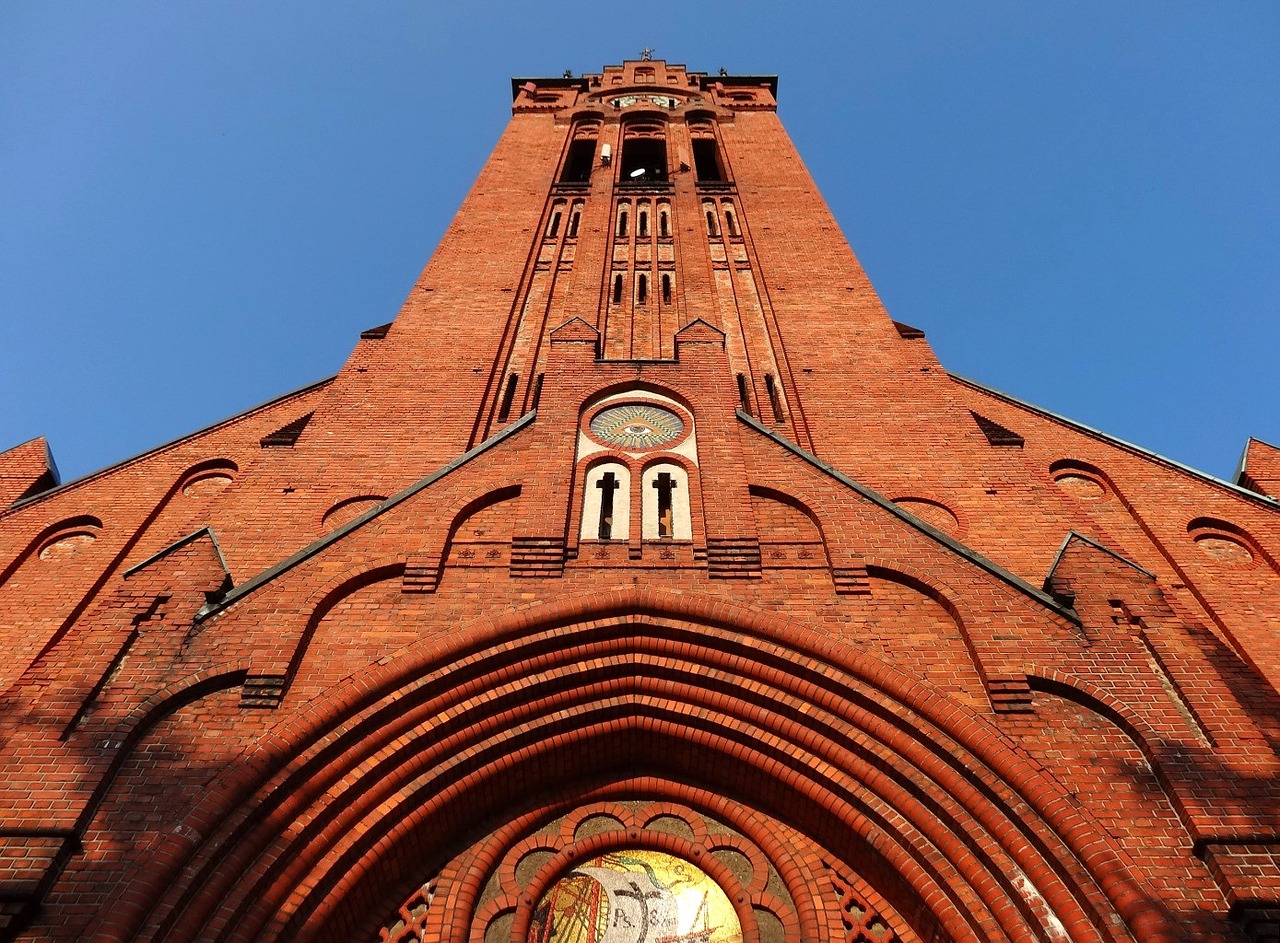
607 484
666 487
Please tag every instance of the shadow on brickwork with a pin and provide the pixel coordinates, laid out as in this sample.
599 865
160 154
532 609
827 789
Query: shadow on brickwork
1219 797
192 748
130 804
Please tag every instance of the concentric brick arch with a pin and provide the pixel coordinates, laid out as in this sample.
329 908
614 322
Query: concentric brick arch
401 765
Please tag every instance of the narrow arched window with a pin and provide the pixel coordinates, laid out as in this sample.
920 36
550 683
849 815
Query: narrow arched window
508 397
706 161
743 398
642 224
554 228
608 484
775 399
664 223
711 224
731 222
642 289
617 289
644 154
580 160
665 503
606 503
665 485
574 219
666 288
622 224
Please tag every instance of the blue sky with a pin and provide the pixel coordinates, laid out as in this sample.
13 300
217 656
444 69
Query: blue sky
202 204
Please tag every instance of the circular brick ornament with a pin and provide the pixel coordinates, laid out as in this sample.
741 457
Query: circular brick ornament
70 537
349 509
64 545
1224 548
1222 542
932 513
206 484
1079 485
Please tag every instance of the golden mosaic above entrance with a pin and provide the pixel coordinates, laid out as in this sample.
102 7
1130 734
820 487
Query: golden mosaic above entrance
635 896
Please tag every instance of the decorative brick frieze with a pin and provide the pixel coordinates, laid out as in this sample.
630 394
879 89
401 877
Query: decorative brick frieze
851 580
421 574
262 691
537 557
733 558
1010 695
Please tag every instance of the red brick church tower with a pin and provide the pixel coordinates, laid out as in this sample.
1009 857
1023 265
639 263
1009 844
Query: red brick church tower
642 582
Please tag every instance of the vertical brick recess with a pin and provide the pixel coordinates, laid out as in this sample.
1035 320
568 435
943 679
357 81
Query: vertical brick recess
886 654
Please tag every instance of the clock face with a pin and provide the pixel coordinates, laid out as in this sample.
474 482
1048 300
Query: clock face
636 426
662 101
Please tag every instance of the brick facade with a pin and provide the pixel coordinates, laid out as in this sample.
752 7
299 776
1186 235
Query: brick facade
642 527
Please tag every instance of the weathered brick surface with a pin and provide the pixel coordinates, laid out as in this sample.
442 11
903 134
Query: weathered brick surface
350 664
26 470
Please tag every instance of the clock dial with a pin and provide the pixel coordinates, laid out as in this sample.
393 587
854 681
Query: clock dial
662 101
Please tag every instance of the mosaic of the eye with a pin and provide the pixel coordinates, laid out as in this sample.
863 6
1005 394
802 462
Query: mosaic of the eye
636 426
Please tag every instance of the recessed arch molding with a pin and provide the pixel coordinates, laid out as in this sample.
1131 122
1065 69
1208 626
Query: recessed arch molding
399 767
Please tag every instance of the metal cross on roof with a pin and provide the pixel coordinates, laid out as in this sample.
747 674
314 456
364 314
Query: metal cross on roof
646 54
